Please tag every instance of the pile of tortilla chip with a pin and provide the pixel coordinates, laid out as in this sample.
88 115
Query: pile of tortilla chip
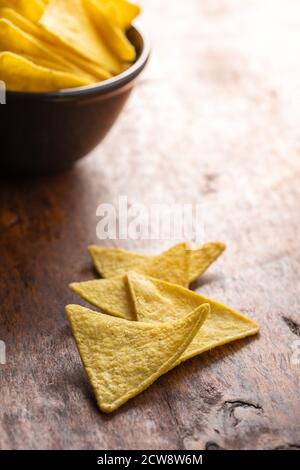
50 45
149 321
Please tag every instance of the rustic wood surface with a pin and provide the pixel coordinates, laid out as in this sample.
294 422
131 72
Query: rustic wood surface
214 120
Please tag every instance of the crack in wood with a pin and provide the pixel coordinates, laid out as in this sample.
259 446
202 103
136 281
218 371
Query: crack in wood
292 325
229 406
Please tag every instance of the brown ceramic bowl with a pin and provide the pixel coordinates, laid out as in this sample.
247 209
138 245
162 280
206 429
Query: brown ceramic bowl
43 133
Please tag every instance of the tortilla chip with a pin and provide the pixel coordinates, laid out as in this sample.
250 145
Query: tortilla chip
112 33
111 262
123 358
68 21
13 39
32 9
125 12
22 22
172 265
83 65
158 301
112 296
19 74
203 257
45 63
72 62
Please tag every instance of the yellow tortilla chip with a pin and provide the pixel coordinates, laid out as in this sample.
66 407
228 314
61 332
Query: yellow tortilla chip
111 262
19 74
125 12
45 63
113 34
23 23
13 39
202 257
69 22
172 265
123 358
159 301
113 296
83 66
72 61
31 9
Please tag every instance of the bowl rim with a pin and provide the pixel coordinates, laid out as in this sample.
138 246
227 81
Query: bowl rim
100 88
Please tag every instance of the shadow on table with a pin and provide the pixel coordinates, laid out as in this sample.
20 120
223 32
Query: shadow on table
40 208
46 225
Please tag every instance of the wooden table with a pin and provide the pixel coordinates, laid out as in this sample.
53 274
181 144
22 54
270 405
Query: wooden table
215 121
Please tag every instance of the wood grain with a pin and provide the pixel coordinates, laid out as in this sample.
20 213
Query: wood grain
214 120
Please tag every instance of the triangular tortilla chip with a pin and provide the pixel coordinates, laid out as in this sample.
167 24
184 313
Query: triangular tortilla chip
123 358
23 22
126 12
32 9
20 74
171 265
69 22
48 64
15 40
159 301
111 262
112 33
113 296
202 257
68 59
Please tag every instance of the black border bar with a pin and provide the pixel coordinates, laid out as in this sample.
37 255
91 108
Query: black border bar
148 458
